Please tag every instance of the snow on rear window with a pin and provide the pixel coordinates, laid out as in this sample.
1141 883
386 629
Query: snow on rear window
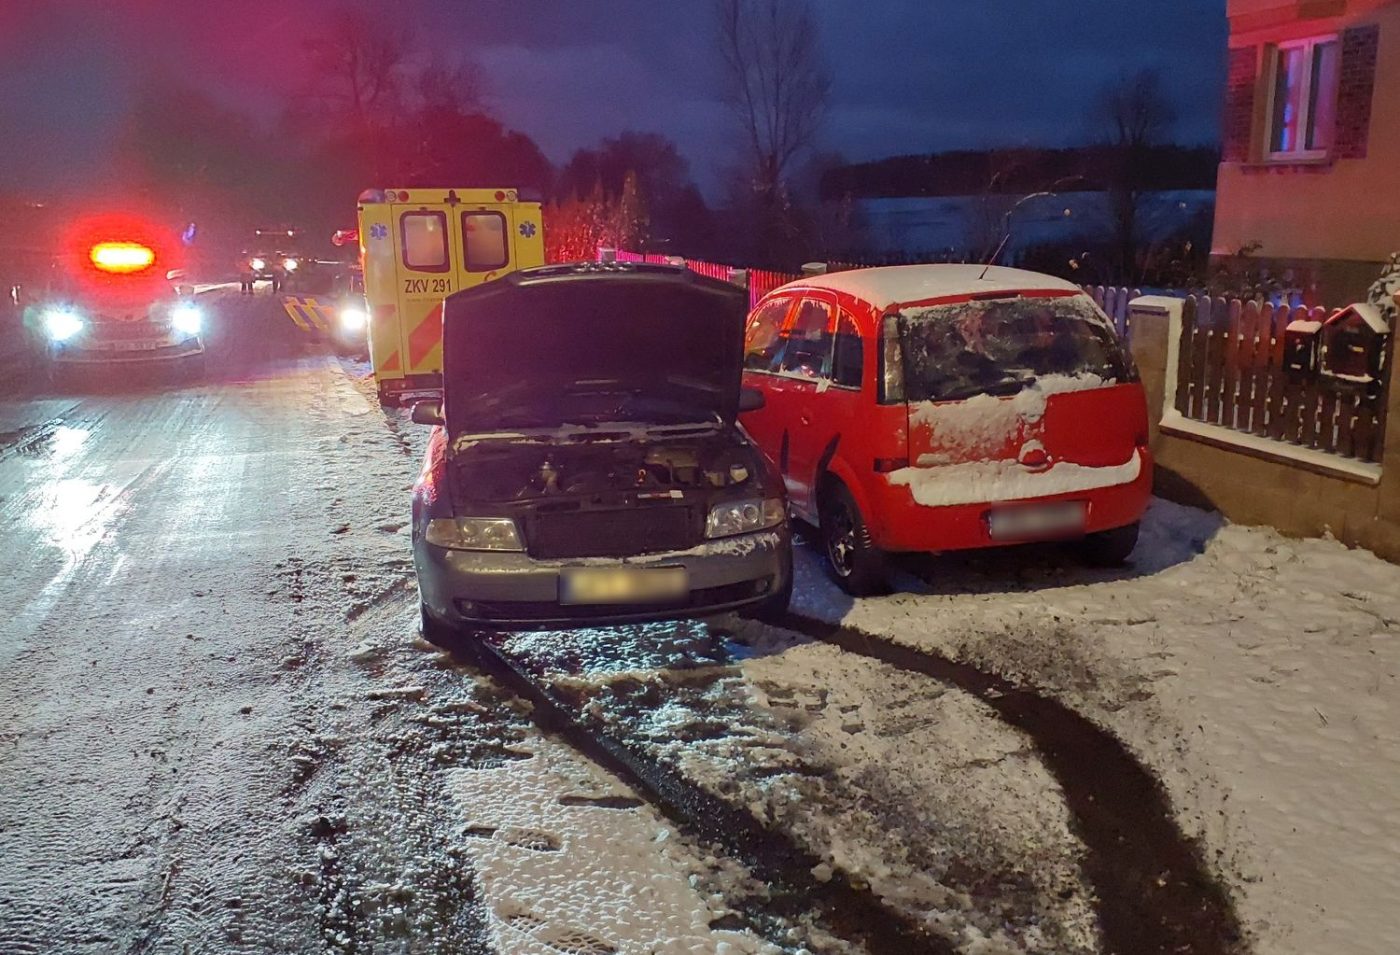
1001 347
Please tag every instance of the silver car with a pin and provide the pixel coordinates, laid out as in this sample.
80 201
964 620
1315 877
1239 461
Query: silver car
587 467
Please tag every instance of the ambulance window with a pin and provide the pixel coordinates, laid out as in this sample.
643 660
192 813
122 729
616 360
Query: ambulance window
424 236
484 238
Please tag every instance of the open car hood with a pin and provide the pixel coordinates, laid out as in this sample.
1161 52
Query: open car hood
527 350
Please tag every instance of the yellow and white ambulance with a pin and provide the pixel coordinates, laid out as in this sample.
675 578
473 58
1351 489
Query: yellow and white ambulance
420 245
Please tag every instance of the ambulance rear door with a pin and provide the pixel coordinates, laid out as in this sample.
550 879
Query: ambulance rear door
427 247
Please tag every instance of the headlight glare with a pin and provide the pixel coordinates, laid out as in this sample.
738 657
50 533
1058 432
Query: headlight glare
61 325
187 320
290 264
353 319
258 265
474 533
744 517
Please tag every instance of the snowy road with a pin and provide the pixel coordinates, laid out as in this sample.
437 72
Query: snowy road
220 733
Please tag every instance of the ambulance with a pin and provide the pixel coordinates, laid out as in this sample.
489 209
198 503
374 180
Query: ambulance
418 246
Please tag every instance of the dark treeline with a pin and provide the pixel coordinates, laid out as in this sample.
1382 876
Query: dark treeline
1019 170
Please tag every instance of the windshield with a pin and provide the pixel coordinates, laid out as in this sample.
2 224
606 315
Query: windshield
1000 347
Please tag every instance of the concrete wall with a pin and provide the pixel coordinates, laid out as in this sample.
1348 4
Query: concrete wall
1336 211
1250 487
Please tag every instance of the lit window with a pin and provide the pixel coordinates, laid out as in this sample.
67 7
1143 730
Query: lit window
1303 98
484 238
424 238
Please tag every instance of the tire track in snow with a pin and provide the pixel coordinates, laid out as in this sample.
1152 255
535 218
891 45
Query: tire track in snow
1155 893
854 914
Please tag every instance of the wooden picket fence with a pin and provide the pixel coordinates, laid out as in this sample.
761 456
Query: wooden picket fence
1231 373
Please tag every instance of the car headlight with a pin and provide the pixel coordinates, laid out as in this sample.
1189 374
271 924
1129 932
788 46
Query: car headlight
290 264
61 325
474 533
353 319
187 320
743 517
258 265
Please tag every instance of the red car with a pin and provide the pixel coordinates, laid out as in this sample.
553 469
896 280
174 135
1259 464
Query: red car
946 407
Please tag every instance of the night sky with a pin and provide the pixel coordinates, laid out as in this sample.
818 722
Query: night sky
909 75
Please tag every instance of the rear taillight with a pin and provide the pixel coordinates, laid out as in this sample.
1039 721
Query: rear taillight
122 258
891 361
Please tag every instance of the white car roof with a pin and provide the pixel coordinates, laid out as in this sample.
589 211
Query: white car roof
901 284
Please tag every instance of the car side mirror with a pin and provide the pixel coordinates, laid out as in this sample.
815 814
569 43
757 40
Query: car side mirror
751 399
427 412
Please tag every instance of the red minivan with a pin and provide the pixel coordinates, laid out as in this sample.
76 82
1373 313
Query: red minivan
947 407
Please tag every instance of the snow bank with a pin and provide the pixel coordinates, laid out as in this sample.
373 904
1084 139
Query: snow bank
988 481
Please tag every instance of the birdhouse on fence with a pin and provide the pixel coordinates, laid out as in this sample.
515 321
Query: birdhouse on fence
1300 347
1353 345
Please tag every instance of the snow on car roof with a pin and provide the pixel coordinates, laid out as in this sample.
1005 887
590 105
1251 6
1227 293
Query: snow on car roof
901 284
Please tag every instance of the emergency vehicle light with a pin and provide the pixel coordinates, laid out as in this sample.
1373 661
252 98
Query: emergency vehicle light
122 257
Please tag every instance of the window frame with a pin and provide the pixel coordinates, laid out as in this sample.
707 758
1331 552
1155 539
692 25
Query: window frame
831 320
842 313
441 216
787 302
1274 61
505 239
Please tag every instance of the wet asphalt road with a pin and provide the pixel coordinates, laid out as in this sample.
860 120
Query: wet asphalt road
178 676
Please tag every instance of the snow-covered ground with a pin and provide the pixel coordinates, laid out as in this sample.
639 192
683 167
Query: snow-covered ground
1256 675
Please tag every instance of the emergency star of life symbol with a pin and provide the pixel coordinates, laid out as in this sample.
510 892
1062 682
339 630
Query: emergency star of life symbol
378 231
527 229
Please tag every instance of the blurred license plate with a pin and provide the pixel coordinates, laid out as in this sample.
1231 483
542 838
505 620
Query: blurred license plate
622 585
139 345
1042 520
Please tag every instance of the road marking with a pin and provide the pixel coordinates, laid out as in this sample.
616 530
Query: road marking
295 315
309 314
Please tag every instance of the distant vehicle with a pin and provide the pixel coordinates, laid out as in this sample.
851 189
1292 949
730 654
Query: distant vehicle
111 298
350 324
587 467
274 256
946 407
421 245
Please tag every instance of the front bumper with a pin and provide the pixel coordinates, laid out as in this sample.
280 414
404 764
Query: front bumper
513 591
109 353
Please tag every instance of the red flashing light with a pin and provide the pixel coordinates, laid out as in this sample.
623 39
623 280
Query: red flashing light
500 196
123 258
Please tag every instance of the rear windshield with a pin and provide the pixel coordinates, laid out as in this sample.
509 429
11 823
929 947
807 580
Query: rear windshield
1000 347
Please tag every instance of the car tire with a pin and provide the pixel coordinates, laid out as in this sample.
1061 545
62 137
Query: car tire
772 610
855 563
1109 548
460 643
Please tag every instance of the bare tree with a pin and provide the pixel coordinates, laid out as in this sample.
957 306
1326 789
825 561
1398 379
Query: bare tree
443 86
778 86
357 71
1137 115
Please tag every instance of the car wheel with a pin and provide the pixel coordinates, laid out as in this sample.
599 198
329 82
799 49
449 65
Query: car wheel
1109 548
855 562
460 643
